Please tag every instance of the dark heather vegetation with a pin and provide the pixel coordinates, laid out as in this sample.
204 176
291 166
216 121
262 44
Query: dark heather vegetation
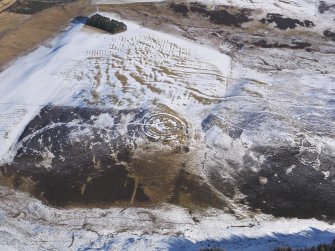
294 44
180 8
321 247
212 249
231 16
106 24
329 34
324 7
30 7
224 15
284 23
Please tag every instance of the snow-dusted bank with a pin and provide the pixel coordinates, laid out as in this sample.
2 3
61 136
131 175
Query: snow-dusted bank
298 7
157 94
26 224
62 74
28 85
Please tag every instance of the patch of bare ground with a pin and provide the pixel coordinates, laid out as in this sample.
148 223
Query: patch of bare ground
27 35
4 4
9 21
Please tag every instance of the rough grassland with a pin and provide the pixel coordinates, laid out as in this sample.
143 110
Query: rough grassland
40 27
4 4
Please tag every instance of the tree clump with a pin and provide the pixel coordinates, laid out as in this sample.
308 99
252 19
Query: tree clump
106 24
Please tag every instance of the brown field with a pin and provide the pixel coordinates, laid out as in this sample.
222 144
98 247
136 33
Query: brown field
8 21
4 4
23 33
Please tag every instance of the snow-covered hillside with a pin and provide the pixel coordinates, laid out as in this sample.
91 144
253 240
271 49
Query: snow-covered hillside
123 71
145 140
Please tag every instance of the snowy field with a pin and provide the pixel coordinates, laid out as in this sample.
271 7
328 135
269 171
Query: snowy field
36 227
127 70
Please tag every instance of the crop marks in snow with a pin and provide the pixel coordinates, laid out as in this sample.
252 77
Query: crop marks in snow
132 70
